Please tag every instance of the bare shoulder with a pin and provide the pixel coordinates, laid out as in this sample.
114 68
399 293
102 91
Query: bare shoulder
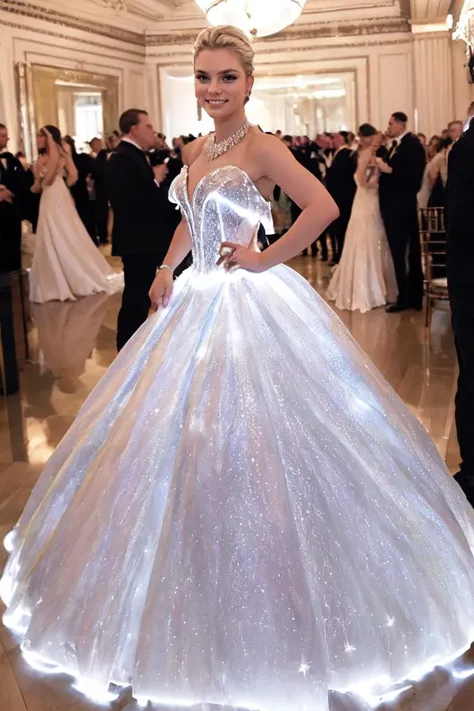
193 149
265 145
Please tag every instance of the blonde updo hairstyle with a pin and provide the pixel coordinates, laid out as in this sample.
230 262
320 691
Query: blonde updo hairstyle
230 38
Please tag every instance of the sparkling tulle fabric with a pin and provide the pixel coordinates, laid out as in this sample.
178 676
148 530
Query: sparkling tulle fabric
365 277
244 513
66 263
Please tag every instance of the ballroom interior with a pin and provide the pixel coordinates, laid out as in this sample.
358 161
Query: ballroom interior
339 64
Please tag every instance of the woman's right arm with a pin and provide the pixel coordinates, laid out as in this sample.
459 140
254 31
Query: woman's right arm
434 169
362 165
180 245
54 156
37 168
162 287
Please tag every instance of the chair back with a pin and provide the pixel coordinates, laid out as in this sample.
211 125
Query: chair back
433 243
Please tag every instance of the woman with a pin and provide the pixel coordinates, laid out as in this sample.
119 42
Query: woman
436 174
244 513
433 195
66 264
85 166
365 276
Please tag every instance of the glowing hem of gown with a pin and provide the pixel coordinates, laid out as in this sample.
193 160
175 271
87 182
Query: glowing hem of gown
96 693
365 691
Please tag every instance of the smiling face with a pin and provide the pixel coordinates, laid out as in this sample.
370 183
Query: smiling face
221 83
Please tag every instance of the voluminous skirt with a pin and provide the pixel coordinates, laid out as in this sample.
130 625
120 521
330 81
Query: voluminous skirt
365 278
243 513
66 263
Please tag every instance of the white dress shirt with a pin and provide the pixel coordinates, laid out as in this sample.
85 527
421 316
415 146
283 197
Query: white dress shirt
4 160
399 139
126 139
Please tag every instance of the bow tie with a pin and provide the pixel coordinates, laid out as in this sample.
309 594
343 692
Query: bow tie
394 143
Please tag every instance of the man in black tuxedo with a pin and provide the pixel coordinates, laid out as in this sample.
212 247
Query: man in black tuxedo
14 187
341 186
144 219
400 181
460 245
101 205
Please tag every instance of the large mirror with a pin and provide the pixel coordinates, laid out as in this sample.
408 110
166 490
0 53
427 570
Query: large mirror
81 104
297 105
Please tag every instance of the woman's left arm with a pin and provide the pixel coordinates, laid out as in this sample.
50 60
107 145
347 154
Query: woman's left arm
72 174
275 162
434 169
71 170
54 157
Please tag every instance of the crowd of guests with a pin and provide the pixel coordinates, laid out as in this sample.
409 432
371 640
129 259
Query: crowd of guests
331 157
325 158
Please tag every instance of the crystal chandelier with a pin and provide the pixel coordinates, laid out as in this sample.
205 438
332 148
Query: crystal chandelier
257 18
465 27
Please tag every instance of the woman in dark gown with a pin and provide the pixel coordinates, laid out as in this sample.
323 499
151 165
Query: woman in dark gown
85 165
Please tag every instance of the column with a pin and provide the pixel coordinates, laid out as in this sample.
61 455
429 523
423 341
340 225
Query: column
434 95
8 98
463 91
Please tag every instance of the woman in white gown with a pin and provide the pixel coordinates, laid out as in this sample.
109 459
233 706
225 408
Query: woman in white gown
66 264
244 513
365 276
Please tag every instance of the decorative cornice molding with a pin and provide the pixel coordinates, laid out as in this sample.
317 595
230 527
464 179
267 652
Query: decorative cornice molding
26 9
375 26
137 55
183 59
354 28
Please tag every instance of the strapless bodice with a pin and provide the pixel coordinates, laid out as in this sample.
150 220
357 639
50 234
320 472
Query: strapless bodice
225 207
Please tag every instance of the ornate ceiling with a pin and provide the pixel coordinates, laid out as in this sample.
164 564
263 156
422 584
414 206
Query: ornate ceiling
147 20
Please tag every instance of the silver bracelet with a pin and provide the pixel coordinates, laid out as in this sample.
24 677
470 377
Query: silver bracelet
165 266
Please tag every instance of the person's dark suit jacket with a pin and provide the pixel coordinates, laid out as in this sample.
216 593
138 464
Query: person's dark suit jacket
340 181
85 165
100 162
144 218
398 190
15 178
459 212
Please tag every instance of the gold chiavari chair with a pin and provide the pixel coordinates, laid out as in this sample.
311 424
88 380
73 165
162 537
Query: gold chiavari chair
433 251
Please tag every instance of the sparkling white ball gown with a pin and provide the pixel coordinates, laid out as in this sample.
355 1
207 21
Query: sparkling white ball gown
66 263
365 277
244 512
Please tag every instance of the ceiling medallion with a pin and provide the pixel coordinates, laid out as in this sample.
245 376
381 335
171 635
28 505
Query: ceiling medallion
117 5
254 17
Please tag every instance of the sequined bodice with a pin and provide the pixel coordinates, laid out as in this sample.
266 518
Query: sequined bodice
225 207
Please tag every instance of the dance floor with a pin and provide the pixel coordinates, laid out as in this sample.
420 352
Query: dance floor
72 344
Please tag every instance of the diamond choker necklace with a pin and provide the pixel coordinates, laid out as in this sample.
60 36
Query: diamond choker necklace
214 150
